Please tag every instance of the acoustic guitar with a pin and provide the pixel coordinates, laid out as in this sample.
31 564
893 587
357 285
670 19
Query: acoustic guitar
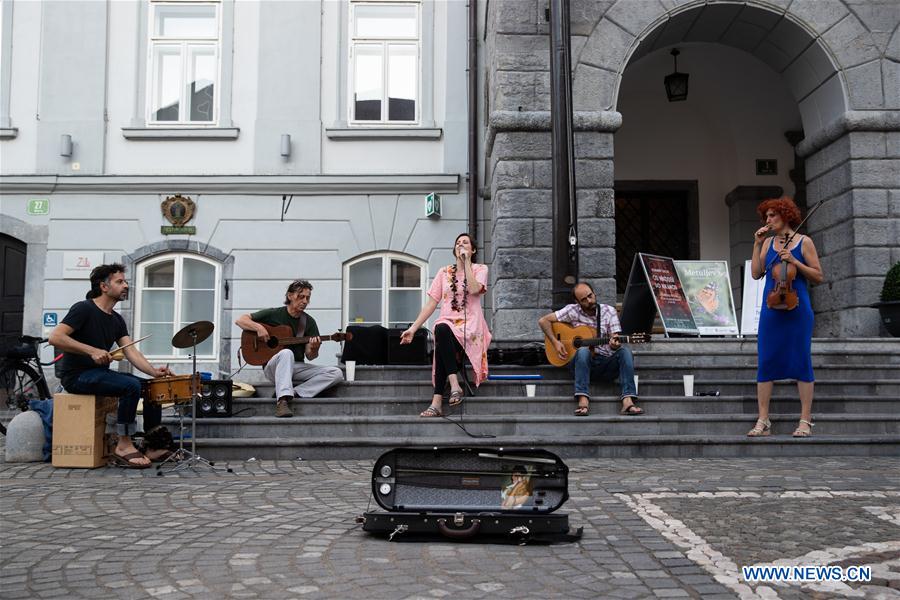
280 337
575 337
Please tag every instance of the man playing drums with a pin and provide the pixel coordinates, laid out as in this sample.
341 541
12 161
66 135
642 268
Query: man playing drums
85 336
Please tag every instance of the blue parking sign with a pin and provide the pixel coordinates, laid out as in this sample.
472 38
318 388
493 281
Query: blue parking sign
50 319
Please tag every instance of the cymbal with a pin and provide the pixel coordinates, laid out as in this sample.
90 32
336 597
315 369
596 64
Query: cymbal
200 329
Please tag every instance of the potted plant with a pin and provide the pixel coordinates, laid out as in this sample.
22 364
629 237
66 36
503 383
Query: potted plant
889 307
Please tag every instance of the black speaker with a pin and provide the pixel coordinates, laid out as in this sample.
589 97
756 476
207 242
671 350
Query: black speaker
415 353
215 399
369 345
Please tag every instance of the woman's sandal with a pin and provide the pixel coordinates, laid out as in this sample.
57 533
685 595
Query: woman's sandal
762 427
456 398
803 432
431 411
583 411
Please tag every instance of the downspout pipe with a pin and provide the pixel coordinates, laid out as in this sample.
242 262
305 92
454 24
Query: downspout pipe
472 73
565 234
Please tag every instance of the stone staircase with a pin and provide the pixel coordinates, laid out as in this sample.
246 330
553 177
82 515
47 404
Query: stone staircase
856 411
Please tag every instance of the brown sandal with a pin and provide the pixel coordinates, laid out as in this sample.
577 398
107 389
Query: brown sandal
456 398
431 411
124 460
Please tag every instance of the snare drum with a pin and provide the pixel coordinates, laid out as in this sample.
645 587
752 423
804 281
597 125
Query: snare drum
168 390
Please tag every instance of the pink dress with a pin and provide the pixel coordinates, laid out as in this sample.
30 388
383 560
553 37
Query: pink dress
470 329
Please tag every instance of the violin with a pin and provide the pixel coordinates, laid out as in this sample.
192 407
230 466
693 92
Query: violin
783 295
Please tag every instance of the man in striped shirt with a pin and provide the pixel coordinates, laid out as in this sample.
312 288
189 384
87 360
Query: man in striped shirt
606 362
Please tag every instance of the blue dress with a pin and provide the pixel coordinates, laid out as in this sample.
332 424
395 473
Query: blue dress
784 340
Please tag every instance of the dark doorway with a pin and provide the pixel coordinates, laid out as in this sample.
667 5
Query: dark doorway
655 217
12 288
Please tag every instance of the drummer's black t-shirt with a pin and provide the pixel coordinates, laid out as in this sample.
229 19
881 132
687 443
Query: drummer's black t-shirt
92 327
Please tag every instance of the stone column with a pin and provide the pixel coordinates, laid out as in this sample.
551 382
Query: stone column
521 206
855 168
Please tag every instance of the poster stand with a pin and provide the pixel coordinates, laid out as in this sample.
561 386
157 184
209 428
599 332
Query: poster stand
654 286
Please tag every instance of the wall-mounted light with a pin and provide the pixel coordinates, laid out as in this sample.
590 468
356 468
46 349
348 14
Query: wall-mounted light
676 83
285 144
65 145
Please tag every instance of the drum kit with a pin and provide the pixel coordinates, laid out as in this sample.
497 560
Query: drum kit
182 391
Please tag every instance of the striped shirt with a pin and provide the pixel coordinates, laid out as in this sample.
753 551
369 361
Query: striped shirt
609 322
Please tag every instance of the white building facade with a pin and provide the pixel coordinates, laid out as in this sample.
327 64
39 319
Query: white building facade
306 134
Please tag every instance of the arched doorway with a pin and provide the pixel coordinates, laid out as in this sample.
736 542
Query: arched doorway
12 288
678 164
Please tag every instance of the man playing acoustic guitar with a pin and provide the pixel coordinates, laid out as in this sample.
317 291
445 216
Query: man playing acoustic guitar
287 369
605 362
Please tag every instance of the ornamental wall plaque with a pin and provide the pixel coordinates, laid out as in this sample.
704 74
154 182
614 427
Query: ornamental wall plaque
178 209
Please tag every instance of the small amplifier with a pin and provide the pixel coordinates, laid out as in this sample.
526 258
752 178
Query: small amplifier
215 399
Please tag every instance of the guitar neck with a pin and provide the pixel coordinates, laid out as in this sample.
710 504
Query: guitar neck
625 339
294 341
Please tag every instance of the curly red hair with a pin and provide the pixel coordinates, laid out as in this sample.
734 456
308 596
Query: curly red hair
785 208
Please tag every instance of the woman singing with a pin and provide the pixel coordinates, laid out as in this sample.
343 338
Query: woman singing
461 327
784 340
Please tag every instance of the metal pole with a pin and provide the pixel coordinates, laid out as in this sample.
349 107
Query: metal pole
565 234
473 120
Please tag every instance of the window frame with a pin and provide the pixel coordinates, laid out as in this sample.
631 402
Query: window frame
386 288
424 65
138 285
185 45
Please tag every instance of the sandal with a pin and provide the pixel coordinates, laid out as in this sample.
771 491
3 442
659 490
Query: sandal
456 398
803 432
632 410
431 411
762 427
583 410
124 461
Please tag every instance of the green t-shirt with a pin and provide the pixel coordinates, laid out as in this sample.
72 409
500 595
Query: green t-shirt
280 316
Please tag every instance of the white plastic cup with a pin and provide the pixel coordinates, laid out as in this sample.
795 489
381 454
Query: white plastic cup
530 389
688 385
636 385
351 370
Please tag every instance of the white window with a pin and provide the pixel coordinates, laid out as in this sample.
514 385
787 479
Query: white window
386 289
184 63
384 54
171 292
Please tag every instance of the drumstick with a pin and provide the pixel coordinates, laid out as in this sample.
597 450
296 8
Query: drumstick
118 351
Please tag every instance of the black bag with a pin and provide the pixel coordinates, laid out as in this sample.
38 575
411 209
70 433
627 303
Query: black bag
470 493
368 346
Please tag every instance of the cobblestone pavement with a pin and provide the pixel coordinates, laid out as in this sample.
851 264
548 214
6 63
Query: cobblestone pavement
653 528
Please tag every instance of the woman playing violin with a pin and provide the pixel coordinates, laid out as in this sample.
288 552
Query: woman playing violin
788 260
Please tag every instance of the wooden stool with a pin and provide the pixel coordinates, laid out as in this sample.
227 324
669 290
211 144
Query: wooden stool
79 429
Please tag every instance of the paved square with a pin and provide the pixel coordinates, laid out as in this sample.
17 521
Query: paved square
654 528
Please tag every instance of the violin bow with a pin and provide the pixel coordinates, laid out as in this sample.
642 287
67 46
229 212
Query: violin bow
790 238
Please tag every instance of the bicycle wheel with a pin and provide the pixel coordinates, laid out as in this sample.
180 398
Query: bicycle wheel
20 383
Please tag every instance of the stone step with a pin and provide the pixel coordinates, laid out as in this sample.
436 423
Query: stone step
613 446
532 425
647 386
716 371
564 405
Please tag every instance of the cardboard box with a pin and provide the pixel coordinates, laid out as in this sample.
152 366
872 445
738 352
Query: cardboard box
79 429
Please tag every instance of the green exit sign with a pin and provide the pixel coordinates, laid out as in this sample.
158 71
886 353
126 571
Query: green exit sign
433 205
39 206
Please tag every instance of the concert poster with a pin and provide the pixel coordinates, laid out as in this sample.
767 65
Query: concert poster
668 294
707 285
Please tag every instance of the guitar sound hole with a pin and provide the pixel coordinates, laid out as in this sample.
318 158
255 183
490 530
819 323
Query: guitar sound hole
272 343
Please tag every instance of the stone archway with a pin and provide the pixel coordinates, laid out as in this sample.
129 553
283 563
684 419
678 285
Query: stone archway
838 65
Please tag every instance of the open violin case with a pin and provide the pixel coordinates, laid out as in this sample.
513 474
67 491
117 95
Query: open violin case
476 494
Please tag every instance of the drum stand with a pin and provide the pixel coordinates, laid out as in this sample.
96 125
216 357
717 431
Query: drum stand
182 458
